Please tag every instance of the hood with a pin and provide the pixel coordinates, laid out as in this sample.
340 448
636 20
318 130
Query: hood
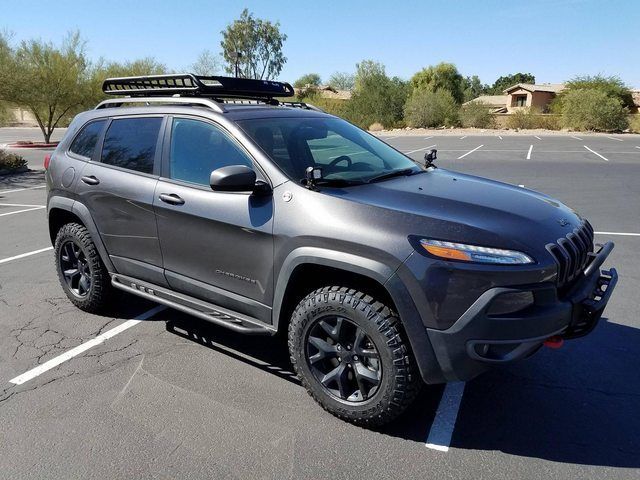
464 208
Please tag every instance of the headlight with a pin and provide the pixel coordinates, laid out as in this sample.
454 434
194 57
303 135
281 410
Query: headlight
474 253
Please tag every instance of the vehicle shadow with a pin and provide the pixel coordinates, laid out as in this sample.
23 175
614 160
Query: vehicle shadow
580 404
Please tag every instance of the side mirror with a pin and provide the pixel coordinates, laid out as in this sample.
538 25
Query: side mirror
430 157
233 178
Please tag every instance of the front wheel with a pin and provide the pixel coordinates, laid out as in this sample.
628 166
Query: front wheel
350 355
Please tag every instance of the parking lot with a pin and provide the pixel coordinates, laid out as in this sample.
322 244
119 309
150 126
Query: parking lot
158 394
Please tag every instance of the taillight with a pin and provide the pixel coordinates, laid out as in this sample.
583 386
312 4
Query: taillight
47 161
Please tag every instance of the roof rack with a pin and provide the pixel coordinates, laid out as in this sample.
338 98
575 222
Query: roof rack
206 102
190 89
188 84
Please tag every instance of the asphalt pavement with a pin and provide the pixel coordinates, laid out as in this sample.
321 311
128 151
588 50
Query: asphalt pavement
171 397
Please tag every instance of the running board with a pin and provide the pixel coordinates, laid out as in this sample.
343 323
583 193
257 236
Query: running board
193 306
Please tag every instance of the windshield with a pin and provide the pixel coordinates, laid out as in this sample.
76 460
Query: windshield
343 151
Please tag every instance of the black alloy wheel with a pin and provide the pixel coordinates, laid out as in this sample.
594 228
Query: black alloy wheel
75 268
343 359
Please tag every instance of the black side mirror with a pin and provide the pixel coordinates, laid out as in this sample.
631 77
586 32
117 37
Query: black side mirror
430 157
233 178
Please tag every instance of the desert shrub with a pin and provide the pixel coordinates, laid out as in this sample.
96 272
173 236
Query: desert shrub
634 123
431 109
593 109
376 97
476 114
547 122
333 106
521 119
376 127
11 161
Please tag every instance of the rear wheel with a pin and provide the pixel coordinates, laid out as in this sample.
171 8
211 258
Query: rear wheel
349 352
82 274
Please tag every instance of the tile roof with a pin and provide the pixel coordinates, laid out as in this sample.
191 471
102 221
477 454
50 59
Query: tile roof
543 87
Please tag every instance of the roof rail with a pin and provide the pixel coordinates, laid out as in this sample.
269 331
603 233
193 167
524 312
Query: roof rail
188 84
206 102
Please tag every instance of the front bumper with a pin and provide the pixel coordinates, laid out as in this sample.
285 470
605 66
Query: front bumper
478 339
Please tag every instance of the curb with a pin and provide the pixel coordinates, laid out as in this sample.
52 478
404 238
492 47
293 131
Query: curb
6 171
17 145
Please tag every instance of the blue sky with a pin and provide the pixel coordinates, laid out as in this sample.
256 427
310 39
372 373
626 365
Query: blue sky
553 39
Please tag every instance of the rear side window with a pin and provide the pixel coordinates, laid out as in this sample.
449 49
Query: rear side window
85 142
131 143
198 148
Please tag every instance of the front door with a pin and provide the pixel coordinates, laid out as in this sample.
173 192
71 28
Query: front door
216 246
118 189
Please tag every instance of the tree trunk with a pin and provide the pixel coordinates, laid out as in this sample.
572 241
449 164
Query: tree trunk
47 136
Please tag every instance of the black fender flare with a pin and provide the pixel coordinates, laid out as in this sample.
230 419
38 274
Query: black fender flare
386 276
82 212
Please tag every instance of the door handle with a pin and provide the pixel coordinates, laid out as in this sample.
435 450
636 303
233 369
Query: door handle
171 198
90 180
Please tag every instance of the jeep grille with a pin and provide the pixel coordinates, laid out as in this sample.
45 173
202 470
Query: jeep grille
571 252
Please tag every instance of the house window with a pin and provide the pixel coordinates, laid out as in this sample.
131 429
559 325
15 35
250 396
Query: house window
520 101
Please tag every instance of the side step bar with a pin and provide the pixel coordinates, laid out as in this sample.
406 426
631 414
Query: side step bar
193 306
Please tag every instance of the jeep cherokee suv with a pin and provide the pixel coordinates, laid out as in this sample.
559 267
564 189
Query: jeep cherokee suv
211 196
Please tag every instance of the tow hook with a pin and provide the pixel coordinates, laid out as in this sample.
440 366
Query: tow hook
554 342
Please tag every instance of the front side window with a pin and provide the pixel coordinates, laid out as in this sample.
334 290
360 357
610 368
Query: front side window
343 152
521 101
85 142
198 148
131 143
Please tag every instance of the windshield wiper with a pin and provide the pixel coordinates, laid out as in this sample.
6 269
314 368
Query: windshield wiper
394 173
335 182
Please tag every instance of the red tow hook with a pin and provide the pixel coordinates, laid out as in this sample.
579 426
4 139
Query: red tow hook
554 342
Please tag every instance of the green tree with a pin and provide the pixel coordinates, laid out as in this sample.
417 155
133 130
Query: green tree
50 81
207 64
506 81
376 97
472 88
443 76
593 109
253 47
426 108
103 69
613 86
477 115
309 79
342 81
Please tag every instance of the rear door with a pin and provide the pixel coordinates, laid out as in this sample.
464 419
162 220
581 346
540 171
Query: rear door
117 187
216 246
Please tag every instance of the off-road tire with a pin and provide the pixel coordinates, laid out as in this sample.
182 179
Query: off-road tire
400 381
100 290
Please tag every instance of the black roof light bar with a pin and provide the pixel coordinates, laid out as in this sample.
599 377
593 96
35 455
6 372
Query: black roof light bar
190 85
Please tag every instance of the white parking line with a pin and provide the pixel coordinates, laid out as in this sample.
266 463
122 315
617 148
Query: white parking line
445 420
529 152
499 137
617 139
623 234
390 138
427 138
637 147
20 189
462 138
419 149
537 137
577 138
83 347
471 151
605 159
21 211
19 205
22 255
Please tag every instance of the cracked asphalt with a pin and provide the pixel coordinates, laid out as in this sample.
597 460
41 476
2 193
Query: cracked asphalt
172 397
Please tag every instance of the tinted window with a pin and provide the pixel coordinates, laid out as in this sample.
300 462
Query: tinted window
198 148
343 151
85 142
131 143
